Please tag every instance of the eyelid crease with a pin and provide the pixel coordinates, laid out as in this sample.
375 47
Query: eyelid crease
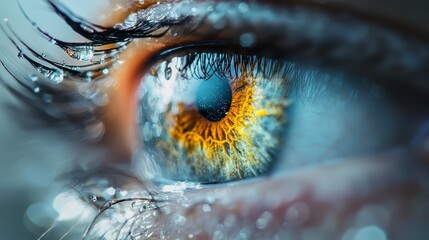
378 49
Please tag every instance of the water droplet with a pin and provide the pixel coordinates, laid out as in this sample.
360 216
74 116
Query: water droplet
34 77
81 53
109 193
247 40
229 221
263 220
53 41
131 20
43 55
206 208
297 213
55 75
243 7
179 220
86 28
5 20
94 198
106 71
36 89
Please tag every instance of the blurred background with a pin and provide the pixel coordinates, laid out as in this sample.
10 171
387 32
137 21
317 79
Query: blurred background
32 151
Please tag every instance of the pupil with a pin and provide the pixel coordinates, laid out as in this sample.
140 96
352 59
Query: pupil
214 97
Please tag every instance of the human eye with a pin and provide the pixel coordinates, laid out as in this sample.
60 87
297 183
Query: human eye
252 121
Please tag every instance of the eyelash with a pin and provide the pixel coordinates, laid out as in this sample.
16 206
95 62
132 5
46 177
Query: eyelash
68 92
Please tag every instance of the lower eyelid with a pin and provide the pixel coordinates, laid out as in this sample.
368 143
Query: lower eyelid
304 200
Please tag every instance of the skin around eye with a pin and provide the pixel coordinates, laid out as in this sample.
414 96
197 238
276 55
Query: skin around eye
382 196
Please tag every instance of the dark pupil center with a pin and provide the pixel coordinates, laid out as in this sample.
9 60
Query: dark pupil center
214 97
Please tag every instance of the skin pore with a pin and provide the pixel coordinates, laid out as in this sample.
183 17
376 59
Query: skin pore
382 195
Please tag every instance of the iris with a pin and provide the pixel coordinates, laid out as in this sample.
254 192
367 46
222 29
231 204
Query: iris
213 116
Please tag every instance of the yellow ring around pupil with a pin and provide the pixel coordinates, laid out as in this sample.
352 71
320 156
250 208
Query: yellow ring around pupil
224 147
211 131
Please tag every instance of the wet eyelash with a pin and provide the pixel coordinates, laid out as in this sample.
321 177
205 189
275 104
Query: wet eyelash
68 91
102 192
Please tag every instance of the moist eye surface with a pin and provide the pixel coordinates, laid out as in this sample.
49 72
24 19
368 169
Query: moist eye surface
213 116
217 115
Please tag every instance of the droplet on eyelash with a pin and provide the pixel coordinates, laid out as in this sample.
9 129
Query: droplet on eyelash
34 77
94 198
36 89
81 53
56 76
131 20
43 55
86 28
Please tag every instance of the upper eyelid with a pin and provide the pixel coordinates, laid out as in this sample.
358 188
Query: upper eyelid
411 50
344 40
324 36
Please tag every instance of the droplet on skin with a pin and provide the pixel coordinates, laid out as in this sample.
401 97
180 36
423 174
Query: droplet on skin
179 220
247 40
263 220
206 208
229 221
298 213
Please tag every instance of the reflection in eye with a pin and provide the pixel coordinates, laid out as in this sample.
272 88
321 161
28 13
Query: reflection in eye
214 117
220 115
